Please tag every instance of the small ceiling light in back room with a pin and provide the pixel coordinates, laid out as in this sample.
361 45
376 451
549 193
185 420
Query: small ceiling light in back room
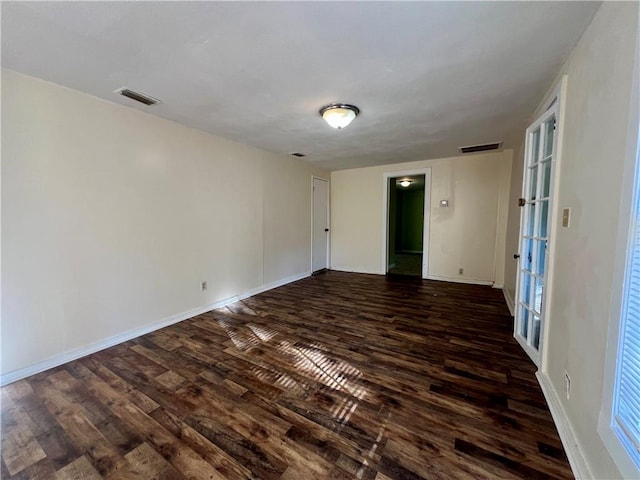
339 115
405 183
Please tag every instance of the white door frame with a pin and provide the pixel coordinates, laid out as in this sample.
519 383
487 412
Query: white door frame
313 177
427 215
557 97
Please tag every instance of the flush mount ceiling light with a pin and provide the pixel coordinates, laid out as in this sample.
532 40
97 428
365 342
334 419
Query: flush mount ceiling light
405 183
339 115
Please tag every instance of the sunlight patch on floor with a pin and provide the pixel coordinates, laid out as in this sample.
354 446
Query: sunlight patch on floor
309 360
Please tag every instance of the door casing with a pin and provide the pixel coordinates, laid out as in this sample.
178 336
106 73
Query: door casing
427 215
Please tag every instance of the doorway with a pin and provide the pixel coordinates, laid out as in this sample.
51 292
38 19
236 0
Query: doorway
535 230
406 220
320 225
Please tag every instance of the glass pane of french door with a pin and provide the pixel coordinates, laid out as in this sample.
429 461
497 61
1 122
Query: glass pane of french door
534 231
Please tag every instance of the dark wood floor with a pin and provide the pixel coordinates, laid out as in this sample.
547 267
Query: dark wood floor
336 376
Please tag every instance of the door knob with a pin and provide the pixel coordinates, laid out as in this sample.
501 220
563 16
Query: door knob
326 229
516 256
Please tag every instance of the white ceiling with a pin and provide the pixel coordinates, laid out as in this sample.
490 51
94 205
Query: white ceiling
428 77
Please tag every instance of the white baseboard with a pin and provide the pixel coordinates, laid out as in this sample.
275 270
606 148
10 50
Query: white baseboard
441 278
470 281
579 465
69 356
499 286
356 270
270 286
511 304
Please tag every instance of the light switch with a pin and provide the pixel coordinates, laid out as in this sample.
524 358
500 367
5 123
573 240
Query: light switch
444 203
566 216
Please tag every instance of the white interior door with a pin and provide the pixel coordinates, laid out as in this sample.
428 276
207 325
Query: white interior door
320 235
540 152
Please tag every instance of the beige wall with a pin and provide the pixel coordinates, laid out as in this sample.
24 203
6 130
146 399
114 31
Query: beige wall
466 235
595 128
111 218
594 131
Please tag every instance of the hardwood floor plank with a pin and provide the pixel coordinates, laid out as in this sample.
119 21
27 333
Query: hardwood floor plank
247 453
42 470
20 445
337 376
136 397
50 435
80 469
150 465
226 466
20 449
173 450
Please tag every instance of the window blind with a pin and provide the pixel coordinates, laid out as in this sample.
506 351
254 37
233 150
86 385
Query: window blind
626 407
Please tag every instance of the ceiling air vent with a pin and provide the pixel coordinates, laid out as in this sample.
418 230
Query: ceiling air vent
137 96
480 148
298 154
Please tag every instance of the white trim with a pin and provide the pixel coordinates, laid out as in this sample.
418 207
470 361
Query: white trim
355 270
427 215
558 95
469 281
269 286
614 446
579 465
71 355
439 278
528 349
499 286
511 305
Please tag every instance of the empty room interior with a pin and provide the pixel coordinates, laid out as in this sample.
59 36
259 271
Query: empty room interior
320 240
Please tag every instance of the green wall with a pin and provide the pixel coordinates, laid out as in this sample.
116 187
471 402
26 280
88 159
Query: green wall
410 219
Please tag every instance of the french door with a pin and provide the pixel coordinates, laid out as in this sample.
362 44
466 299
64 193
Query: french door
540 152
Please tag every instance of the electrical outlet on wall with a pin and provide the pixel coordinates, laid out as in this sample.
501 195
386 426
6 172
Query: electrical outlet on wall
203 286
567 384
460 271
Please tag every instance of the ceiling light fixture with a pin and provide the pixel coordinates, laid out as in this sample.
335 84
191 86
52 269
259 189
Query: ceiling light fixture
339 115
405 183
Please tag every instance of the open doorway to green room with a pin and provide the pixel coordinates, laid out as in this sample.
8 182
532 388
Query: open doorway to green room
406 215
